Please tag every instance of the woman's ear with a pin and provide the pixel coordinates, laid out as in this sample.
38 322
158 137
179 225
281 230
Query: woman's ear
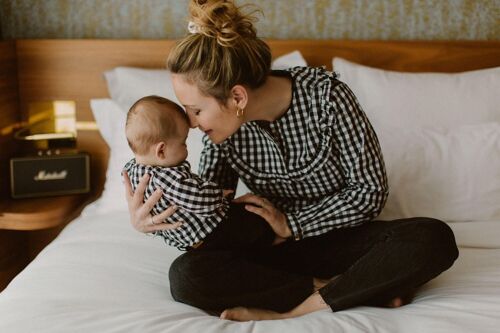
239 96
161 150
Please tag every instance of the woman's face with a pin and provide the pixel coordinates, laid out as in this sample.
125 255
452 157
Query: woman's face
217 121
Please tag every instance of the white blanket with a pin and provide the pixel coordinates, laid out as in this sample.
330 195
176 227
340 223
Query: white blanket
100 275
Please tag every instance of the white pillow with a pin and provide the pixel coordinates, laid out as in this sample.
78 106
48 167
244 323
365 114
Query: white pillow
128 84
449 174
409 100
437 133
110 120
289 60
480 234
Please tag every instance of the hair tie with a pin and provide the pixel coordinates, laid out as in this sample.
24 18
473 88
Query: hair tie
193 28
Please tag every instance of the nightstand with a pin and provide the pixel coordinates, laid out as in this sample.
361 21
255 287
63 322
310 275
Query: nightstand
28 225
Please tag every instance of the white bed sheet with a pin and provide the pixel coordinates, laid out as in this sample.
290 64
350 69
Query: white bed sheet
100 275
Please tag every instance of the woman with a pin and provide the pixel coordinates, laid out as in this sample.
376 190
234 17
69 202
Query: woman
302 144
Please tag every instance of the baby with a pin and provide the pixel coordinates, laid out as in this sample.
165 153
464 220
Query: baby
156 131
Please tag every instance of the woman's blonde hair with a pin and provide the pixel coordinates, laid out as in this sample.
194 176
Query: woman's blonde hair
223 51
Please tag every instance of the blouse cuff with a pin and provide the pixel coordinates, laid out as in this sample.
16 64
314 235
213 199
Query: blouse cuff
294 225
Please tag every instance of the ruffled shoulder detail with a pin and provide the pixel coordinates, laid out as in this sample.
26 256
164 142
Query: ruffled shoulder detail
295 145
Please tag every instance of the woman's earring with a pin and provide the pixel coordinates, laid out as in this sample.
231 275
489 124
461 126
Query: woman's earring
239 112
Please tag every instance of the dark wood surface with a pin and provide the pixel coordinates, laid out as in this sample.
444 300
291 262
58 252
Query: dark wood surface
13 255
9 110
40 213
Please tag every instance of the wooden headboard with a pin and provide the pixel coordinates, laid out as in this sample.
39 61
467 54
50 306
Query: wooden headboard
72 69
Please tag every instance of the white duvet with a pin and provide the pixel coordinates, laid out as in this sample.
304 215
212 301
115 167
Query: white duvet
100 275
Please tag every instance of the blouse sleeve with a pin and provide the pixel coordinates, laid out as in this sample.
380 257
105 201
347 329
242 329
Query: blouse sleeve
188 191
214 166
365 189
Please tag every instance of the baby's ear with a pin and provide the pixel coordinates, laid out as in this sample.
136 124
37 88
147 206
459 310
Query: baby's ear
161 150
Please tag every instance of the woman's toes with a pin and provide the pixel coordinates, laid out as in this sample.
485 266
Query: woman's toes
236 313
223 315
402 300
229 314
240 313
396 302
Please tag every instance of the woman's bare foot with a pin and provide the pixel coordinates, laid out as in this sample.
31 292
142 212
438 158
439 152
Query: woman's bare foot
311 304
394 303
401 300
241 313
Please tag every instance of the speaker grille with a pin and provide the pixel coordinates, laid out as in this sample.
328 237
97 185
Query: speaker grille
49 175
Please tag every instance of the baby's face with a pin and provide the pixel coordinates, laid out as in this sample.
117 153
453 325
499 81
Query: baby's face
176 146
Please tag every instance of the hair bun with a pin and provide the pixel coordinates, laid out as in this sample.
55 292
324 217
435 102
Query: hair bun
223 20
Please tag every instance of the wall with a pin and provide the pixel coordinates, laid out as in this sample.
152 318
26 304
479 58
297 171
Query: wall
284 19
9 114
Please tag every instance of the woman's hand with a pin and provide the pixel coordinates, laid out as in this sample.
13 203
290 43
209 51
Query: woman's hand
273 216
140 217
227 193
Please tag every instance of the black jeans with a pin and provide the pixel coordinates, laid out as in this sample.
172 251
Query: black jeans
377 261
239 231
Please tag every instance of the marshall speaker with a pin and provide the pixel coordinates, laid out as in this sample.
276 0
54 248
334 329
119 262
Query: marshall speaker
48 175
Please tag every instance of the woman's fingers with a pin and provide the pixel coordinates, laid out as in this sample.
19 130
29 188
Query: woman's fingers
262 212
225 193
129 193
156 222
265 209
141 218
250 198
139 191
152 200
165 214
163 226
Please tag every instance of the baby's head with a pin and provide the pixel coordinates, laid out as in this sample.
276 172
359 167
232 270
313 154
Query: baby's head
156 131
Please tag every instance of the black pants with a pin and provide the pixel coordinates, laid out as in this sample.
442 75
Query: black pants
241 230
377 261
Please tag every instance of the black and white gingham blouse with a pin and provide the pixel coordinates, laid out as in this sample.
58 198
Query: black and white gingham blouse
201 204
320 163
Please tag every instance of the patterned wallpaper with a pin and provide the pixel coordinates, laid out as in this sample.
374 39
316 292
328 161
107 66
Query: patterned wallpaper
283 19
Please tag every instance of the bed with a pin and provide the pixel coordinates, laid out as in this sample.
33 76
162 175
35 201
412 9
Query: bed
100 275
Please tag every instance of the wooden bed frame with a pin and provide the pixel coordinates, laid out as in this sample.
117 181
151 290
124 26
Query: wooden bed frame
35 70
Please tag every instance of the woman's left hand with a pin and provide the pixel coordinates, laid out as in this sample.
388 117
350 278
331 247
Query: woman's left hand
265 209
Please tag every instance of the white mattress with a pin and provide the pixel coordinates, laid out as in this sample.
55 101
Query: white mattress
100 275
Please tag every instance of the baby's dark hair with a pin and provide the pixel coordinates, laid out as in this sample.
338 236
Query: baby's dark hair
150 120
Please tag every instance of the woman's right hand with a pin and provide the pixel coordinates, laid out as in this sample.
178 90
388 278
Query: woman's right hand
140 216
